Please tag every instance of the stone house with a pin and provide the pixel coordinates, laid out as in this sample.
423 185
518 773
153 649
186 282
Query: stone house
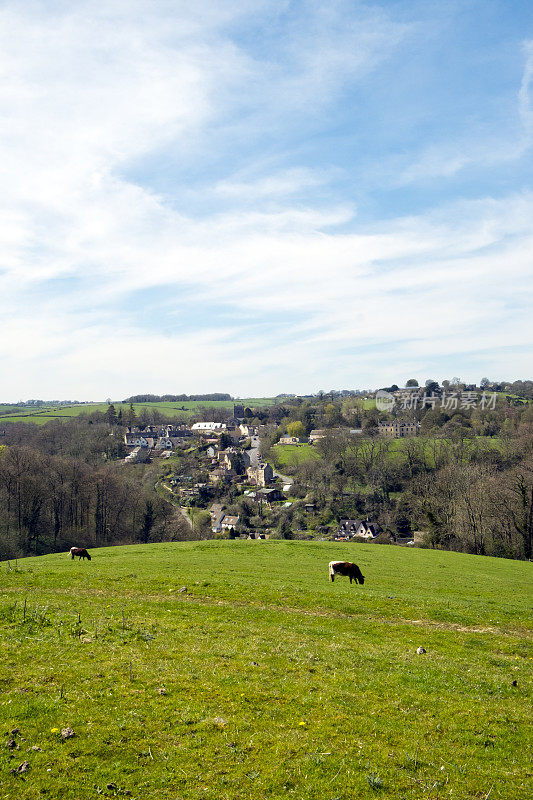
261 475
269 495
398 429
217 515
235 459
138 440
221 474
316 435
247 430
228 522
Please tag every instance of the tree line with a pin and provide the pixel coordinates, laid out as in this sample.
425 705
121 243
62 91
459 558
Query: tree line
465 483
61 485
175 398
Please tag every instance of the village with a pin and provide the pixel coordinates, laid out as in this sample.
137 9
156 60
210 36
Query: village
342 466
224 465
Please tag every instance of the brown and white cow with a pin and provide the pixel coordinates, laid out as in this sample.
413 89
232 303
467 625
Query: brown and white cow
79 551
346 568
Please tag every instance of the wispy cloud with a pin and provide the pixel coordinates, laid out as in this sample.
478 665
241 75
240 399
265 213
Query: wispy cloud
183 207
477 146
272 186
525 105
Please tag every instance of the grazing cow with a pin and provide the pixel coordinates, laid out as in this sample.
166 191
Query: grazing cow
79 551
346 568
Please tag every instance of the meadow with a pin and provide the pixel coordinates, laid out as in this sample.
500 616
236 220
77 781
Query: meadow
289 455
294 454
236 670
180 411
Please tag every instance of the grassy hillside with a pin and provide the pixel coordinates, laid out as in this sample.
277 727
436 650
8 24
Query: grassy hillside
178 410
264 680
290 455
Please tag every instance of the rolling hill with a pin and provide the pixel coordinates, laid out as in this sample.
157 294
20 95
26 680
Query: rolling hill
236 670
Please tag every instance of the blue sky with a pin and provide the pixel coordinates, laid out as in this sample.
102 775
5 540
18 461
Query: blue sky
261 196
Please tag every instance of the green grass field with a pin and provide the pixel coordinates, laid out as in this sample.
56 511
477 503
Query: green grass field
264 680
290 455
179 410
397 447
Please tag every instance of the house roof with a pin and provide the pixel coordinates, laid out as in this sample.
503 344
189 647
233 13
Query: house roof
374 527
229 520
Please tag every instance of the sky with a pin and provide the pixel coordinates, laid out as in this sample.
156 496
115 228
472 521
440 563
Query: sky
263 196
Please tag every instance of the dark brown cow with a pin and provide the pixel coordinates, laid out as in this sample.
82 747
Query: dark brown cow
79 551
346 568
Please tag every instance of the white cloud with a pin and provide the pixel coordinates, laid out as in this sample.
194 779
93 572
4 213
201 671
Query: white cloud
331 297
276 185
525 106
480 146
289 286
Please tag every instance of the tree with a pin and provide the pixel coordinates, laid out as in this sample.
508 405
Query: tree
371 422
333 414
148 522
402 518
350 409
457 385
237 463
111 414
130 417
516 499
284 525
412 382
201 523
225 441
296 429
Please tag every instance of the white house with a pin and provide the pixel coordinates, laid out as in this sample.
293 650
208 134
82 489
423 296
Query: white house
208 427
348 528
229 522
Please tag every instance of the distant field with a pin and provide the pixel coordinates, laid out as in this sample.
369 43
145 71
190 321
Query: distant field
180 410
369 403
263 679
504 395
290 455
398 446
